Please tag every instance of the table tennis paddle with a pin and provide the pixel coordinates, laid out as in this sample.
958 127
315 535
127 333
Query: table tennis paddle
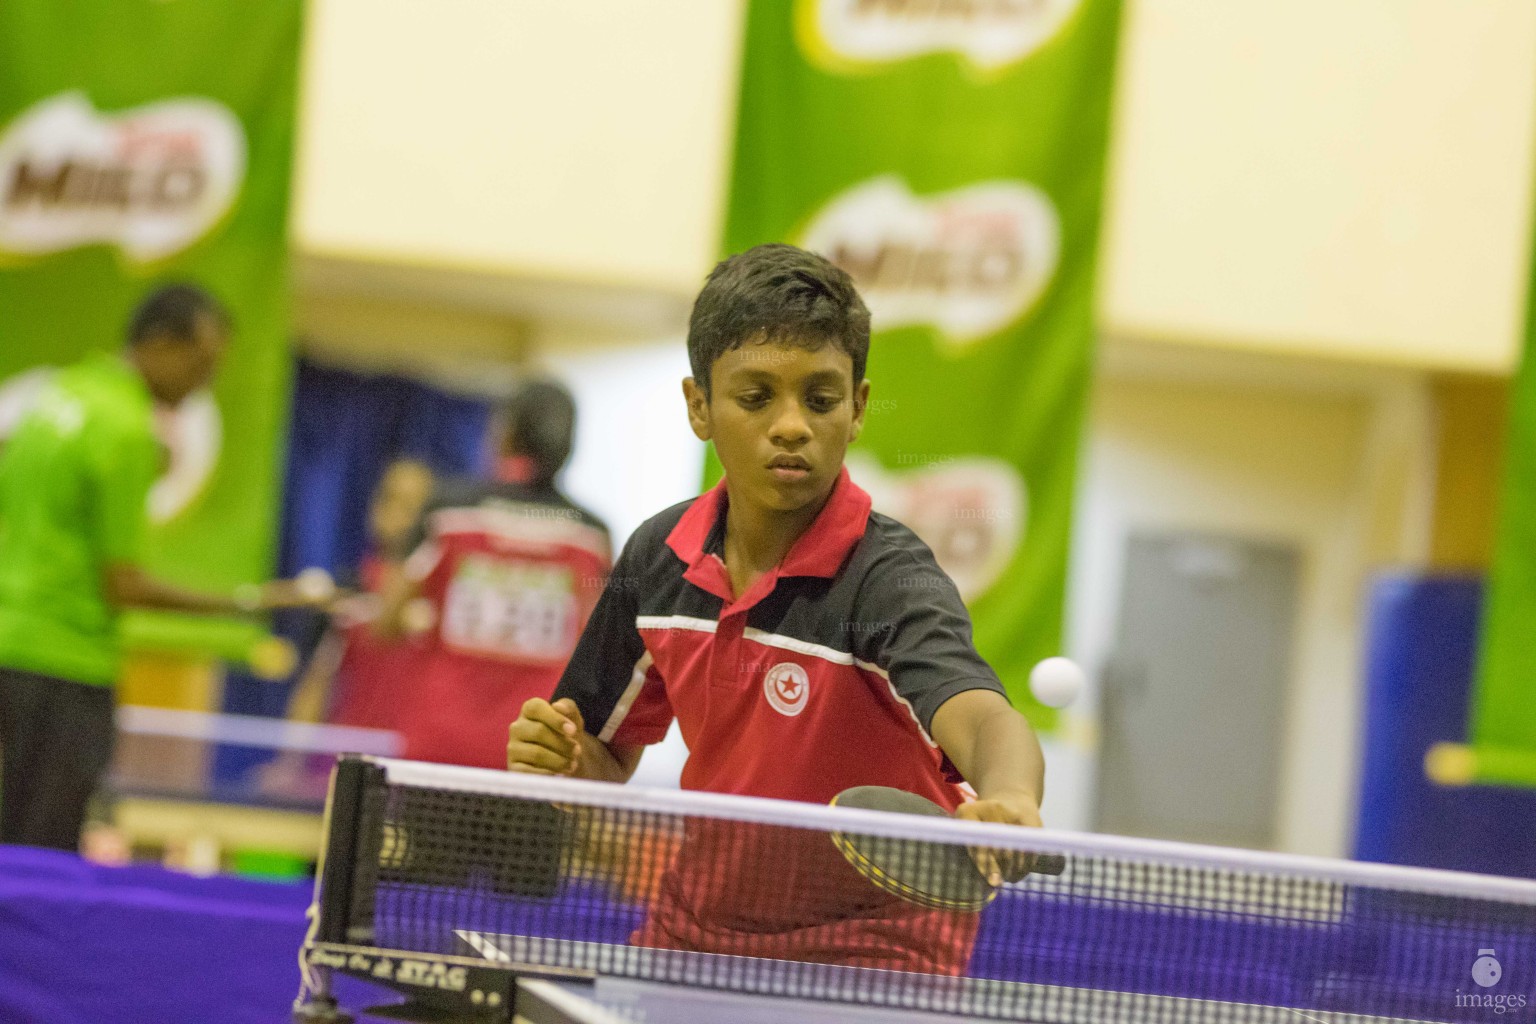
941 876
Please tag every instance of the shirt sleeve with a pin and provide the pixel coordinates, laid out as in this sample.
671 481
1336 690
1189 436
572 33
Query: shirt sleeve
917 630
621 695
125 467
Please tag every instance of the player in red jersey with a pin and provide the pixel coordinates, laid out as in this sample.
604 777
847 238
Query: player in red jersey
804 643
512 569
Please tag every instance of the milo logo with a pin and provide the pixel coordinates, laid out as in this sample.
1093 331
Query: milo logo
970 510
151 180
969 262
990 34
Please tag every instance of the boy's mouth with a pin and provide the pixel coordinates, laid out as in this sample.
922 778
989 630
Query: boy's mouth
789 468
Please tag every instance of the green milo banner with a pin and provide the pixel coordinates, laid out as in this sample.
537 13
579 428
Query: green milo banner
951 158
144 141
1504 707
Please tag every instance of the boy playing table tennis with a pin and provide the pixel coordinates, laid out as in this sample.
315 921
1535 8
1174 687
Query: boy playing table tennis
804 643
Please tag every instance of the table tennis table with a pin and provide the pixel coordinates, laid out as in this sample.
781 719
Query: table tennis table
489 896
683 987
628 1001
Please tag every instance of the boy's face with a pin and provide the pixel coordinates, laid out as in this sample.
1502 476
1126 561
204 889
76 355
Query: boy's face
781 418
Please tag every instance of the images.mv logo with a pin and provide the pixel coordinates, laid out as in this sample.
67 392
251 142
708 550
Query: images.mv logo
1487 972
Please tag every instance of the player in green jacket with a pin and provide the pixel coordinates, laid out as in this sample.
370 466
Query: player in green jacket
74 480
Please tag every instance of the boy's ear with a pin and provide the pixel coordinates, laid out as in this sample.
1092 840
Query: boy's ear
698 408
860 403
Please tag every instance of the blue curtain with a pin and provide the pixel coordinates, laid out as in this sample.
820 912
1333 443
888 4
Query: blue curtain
345 428
1421 647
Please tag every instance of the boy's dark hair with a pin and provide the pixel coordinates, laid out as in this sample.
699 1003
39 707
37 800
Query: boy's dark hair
539 421
173 310
776 293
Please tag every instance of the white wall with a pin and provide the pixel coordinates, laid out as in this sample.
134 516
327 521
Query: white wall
635 453
1338 177
1324 460
582 141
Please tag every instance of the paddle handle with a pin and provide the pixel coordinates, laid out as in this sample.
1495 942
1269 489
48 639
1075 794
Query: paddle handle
1048 864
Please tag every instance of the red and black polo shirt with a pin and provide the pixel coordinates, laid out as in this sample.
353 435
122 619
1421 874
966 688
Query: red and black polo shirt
824 675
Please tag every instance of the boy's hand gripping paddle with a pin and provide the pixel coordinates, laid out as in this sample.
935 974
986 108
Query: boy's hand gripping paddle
941 876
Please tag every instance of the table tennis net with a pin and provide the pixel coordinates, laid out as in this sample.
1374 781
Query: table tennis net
538 874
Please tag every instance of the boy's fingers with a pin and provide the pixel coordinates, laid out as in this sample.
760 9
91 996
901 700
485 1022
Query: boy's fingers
528 730
562 716
986 862
545 737
567 708
997 865
530 755
560 754
539 710
1016 865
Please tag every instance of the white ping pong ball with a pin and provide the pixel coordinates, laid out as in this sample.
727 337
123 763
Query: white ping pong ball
315 584
1056 682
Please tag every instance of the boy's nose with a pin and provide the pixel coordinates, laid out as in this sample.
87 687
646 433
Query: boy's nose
790 424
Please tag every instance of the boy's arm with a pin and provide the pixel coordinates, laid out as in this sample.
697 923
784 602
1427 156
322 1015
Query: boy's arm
996 750
994 747
915 626
126 585
920 634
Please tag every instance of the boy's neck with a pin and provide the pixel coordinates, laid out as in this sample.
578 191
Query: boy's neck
757 539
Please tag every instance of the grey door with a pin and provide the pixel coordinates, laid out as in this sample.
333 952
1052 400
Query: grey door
1194 695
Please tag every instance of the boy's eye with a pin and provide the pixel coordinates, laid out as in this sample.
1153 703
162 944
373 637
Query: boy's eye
824 403
752 397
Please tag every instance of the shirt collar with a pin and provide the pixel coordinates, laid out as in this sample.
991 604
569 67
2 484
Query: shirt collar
820 551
